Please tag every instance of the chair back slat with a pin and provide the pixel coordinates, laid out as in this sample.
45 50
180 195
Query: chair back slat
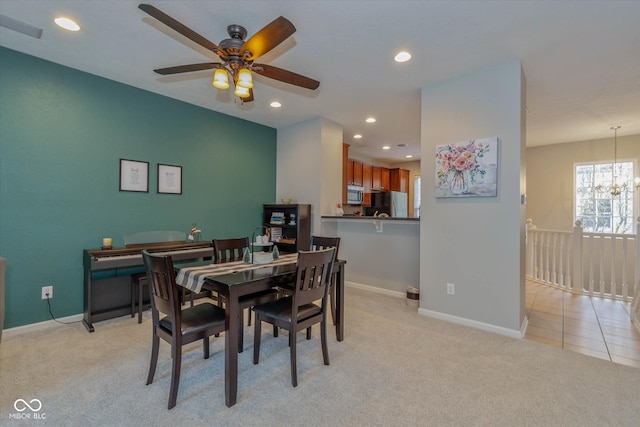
162 286
226 250
313 275
320 242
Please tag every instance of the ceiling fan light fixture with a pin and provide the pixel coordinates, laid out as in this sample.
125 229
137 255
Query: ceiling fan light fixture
220 79
241 92
244 78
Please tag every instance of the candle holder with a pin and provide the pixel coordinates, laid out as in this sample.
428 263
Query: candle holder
107 243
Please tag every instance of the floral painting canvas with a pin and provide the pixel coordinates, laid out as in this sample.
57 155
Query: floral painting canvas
467 169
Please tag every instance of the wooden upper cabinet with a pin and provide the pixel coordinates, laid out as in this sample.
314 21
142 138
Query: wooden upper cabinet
357 173
379 178
366 181
384 179
349 172
366 177
399 180
376 177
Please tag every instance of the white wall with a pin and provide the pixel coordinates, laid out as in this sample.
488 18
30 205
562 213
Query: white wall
550 176
309 168
388 260
475 243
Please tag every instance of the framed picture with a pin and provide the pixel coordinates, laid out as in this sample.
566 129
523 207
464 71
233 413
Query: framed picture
169 179
134 176
467 169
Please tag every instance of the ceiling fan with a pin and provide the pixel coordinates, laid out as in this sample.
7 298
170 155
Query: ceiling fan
237 55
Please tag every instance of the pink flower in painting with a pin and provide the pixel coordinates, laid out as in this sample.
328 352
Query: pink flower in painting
461 163
459 157
445 165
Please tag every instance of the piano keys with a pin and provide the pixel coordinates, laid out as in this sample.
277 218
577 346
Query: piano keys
107 275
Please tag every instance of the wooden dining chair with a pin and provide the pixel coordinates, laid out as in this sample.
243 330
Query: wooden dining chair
299 311
177 327
227 250
319 243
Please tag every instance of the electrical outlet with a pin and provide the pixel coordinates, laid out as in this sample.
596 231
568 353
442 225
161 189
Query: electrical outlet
47 290
450 289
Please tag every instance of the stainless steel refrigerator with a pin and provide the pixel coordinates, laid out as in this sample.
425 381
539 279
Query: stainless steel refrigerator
392 203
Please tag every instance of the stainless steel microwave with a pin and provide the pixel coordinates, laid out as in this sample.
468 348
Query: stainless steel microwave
355 194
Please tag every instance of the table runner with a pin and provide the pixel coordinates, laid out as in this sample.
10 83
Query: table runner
193 278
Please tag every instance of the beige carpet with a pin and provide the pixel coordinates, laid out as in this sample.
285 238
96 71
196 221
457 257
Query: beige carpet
395 368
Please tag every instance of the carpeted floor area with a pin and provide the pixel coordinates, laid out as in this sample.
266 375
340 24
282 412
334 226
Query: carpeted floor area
394 368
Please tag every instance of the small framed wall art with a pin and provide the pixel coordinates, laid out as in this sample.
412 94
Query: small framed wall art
169 179
467 169
134 176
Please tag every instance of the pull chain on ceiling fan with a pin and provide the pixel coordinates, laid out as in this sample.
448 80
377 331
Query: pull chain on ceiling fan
237 55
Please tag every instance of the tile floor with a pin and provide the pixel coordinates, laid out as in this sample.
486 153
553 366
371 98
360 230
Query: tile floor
589 325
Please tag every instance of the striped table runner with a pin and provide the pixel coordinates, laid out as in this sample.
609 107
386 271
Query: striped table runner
193 278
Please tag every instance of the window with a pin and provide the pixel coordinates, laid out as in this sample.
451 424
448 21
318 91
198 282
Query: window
595 206
416 197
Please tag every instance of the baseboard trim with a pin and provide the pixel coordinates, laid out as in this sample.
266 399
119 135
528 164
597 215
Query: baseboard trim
375 289
8 333
472 323
429 313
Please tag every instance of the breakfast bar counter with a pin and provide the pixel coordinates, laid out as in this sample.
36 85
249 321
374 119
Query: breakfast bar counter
383 252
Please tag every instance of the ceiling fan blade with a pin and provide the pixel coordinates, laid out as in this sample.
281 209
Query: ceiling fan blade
285 76
187 68
267 38
179 27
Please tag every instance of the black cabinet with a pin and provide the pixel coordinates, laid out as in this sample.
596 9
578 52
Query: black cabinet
290 226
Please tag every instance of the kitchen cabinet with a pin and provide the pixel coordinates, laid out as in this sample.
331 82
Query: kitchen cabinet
376 177
399 180
379 178
384 178
354 172
366 183
357 173
291 224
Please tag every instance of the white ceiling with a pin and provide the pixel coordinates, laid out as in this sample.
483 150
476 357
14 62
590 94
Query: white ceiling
581 58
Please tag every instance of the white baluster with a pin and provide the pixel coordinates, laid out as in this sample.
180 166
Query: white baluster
554 274
561 282
601 273
547 262
576 283
612 267
592 282
624 285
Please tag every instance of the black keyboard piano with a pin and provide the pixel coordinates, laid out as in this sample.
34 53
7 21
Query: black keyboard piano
107 275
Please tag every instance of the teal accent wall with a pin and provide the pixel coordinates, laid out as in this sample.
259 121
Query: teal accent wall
62 134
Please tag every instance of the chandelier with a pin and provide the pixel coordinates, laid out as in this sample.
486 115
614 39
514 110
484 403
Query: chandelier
615 189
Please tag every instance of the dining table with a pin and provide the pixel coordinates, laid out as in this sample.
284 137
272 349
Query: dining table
238 278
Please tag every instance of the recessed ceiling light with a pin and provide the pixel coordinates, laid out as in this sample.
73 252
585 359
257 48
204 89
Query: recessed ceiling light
402 145
409 156
67 24
386 147
357 136
370 120
402 56
276 104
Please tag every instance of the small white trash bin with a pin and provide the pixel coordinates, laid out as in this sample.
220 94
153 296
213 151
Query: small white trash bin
413 297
